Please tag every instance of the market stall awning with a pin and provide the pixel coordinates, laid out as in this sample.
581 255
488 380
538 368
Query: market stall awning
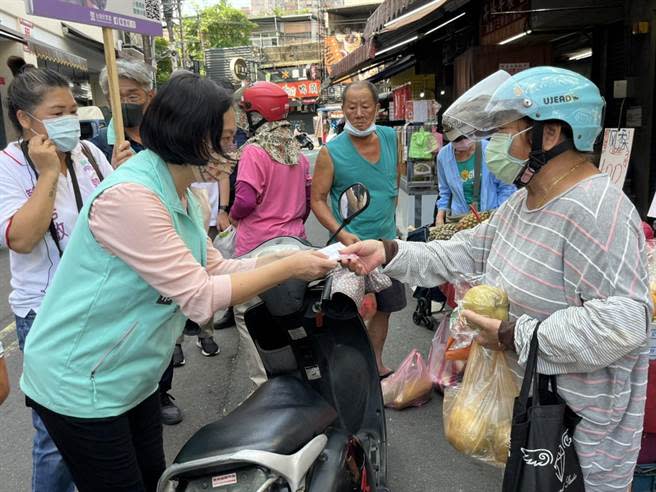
414 15
52 54
8 33
392 69
392 29
82 37
397 12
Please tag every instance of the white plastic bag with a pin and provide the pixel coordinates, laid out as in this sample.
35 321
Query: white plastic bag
225 242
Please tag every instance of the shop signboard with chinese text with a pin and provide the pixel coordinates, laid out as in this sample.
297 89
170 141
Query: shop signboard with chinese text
616 153
124 15
402 95
25 27
302 89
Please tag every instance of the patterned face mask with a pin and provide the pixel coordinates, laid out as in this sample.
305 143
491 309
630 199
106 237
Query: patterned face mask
217 167
276 138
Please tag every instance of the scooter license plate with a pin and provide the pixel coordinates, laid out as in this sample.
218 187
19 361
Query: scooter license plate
243 480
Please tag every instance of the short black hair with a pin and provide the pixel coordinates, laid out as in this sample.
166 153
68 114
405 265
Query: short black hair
184 121
361 84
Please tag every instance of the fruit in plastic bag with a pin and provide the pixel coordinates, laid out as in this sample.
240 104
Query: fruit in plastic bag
501 442
487 300
478 413
410 385
466 431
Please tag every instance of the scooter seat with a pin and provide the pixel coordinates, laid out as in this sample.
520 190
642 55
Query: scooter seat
282 416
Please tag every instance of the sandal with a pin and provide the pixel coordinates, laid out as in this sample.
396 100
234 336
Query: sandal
386 375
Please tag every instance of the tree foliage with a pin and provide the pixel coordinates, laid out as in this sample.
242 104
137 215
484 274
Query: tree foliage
163 58
220 26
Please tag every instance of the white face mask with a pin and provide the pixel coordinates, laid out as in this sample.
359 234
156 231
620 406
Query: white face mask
351 130
462 145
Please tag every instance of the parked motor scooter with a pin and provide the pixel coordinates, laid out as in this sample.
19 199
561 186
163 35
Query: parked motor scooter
318 423
303 139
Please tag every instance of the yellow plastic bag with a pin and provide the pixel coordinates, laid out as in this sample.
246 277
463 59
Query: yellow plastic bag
478 413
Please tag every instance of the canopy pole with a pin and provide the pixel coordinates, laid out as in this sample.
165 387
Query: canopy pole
112 79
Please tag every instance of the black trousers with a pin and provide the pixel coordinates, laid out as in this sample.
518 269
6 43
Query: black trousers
166 381
123 453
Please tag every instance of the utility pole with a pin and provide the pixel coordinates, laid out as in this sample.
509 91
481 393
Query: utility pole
152 12
183 51
147 42
168 18
200 41
200 33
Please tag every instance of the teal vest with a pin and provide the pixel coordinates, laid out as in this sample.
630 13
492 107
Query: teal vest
103 336
378 221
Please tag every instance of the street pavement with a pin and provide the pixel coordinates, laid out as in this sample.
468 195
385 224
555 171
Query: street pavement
420 459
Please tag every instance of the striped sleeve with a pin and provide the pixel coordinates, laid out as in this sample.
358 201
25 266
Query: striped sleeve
605 271
461 259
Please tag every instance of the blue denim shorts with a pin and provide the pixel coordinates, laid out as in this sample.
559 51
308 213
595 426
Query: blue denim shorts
23 326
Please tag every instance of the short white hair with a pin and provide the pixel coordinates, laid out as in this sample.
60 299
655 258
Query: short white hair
139 72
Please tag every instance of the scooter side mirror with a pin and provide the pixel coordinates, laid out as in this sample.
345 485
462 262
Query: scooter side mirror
352 202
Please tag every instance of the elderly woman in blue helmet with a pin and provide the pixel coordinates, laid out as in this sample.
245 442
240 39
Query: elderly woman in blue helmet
568 249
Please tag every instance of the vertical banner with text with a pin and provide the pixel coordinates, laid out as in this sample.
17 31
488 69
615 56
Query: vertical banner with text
616 153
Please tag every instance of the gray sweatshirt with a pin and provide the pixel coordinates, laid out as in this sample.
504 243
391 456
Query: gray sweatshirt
577 264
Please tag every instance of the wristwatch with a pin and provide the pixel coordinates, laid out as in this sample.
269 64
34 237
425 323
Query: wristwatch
223 208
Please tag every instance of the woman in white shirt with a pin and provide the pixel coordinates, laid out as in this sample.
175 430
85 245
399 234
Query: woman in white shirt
45 177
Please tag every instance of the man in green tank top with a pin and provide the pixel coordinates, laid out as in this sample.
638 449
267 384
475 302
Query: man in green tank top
362 153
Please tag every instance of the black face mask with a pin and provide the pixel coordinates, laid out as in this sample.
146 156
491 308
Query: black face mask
132 114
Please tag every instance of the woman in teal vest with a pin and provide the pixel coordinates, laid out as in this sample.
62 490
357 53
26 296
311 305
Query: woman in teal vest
137 265
364 153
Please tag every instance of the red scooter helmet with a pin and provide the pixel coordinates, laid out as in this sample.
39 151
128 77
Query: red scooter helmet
267 99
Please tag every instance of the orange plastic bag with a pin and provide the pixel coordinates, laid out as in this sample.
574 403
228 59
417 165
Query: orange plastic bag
443 372
478 413
410 385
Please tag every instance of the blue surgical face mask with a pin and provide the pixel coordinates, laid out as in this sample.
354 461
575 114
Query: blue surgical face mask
64 131
351 130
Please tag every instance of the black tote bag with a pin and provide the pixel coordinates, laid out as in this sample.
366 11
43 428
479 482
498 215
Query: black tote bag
542 455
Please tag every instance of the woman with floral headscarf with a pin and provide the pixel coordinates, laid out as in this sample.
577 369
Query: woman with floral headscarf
273 187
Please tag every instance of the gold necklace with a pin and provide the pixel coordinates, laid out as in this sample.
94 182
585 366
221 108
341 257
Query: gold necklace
559 179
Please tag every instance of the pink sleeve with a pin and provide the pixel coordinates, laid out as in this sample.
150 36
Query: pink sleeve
254 164
217 265
150 245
